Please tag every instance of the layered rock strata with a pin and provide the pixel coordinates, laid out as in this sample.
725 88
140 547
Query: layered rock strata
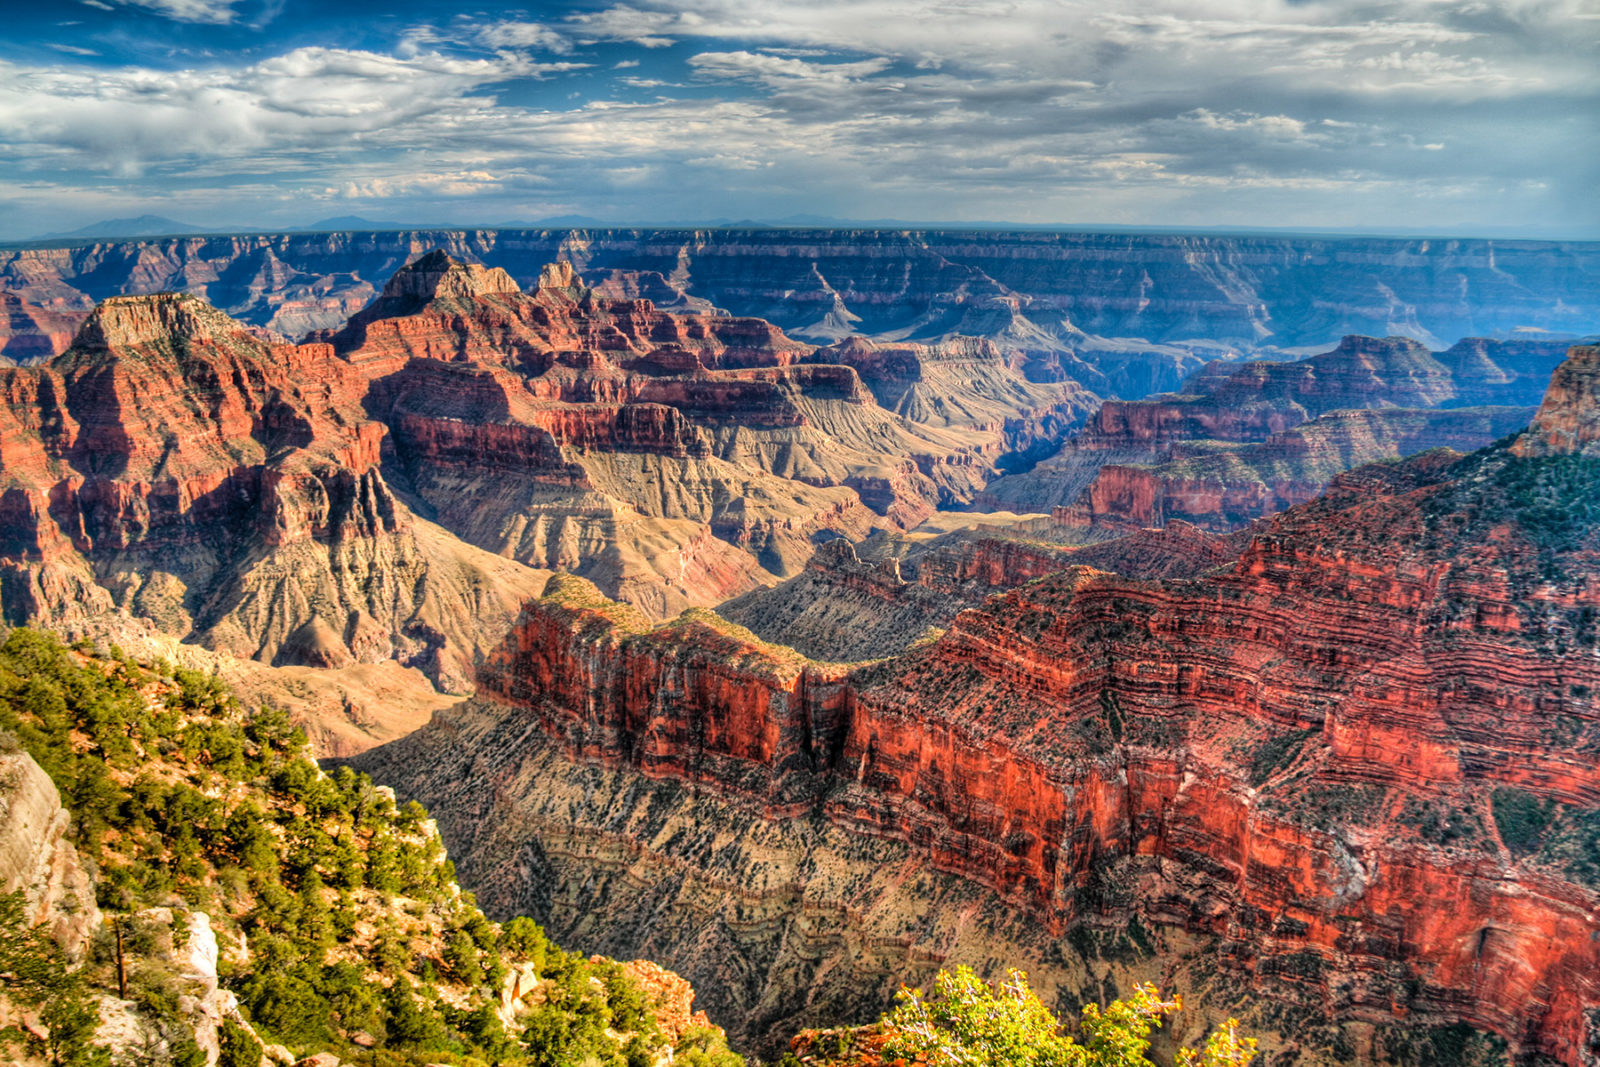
1124 314
1346 784
863 602
1246 440
631 445
390 493
174 469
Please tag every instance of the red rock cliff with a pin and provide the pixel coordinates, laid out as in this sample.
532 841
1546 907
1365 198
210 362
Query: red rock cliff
1360 757
174 468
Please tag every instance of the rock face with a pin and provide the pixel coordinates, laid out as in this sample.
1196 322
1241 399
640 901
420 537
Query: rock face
1347 782
847 608
30 333
1568 422
634 446
1225 489
174 468
175 475
1246 440
1164 302
37 858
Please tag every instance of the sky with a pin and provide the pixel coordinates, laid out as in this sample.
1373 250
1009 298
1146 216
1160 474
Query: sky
1461 117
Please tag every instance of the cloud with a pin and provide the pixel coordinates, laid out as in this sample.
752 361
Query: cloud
212 11
511 34
1196 111
456 184
779 72
310 99
467 32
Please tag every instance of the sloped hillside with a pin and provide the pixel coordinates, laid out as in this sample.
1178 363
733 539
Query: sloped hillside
254 907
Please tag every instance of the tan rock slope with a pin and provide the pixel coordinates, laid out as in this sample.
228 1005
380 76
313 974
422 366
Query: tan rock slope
38 859
1345 786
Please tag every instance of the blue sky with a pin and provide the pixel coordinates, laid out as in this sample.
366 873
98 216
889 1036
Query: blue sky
1455 116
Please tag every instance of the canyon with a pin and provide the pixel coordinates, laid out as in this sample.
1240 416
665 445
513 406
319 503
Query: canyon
1241 441
1343 786
367 510
808 612
1123 314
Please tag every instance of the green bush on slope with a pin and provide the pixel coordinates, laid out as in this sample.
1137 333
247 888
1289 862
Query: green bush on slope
359 941
970 1023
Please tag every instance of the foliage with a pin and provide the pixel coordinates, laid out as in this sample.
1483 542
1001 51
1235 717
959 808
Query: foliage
969 1023
34 974
1522 819
180 796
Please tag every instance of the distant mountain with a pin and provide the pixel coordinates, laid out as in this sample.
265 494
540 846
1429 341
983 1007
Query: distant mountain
582 222
142 226
354 222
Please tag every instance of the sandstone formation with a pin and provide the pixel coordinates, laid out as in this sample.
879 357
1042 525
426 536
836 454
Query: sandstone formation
878 599
173 468
634 446
37 858
1226 488
1568 422
1241 441
369 509
1123 314
1345 785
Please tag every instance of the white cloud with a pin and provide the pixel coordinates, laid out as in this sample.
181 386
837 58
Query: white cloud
134 118
782 72
212 11
457 184
1036 110
512 34
1273 127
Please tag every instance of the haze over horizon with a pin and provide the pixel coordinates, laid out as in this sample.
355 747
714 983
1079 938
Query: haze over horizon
1456 117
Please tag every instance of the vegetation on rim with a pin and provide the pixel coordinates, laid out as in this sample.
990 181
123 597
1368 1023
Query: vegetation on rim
341 926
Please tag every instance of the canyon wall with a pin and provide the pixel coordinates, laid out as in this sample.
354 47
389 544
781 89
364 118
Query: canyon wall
1058 298
1345 786
390 492
174 478
1245 440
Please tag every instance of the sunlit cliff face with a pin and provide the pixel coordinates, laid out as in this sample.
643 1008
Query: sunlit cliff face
1310 773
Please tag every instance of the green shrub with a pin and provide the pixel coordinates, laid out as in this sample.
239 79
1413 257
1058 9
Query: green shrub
973 1024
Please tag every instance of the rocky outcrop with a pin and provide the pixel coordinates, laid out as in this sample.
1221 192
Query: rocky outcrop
37 858
1344 782
175 469
183 944
607 437
1568 422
